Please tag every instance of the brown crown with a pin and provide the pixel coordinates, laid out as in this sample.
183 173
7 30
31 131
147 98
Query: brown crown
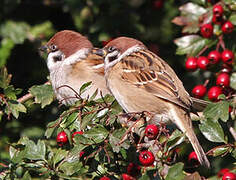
69 42
124 43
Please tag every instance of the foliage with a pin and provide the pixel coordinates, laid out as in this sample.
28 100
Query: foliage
111 139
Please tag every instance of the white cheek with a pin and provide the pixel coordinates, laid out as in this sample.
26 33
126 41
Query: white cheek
110 64
50 60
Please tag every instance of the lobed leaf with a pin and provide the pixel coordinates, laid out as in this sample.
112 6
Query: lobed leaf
176 172
43 94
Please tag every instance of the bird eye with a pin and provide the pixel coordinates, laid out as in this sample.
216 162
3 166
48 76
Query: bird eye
111 48
53 47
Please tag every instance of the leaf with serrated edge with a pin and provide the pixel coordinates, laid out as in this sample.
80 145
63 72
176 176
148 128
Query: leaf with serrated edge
97 134
176 172
233 81
212 130
15 107
219 110
191 44
43 94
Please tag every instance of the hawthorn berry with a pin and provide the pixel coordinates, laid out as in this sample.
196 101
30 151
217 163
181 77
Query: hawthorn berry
214 57
218 10
193 159
151 131
146 158
157 4
62 138
104 178
214 92
127 177
77 132
227 27
206 30
223 79
133 169
227 56
203 62
199 91
229 176
222 172
191 64
217 20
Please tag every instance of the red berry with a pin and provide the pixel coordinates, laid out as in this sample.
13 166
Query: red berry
199 91
214 92
227 56
133 169
207 30
214 57
227 27
193 159
151 131
191 64
104 178
203 62
223 79
157 4
81 153
77 132
229 176
62 138
218 10
222 172
146 158
217 20
127 177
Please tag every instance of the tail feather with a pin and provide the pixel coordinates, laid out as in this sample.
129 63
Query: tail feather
182 119
197 148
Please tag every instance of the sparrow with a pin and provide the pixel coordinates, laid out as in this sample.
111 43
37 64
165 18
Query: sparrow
71 64
142 82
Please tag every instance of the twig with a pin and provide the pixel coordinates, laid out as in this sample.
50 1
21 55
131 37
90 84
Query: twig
25 98
231 130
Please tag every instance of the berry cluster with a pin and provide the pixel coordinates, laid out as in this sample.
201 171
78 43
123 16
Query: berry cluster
223 59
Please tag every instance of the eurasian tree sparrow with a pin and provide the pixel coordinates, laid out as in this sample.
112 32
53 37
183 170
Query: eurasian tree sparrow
71 64
142 81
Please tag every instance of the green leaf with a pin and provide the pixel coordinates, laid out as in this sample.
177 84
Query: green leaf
15 107
219 110
220 150
232 18
97 134
115 139
85 87
26 176
35 152
43 94
233 153
192 44
5 78
60 154
233 81
212 130
16 31
5 50
10 92
69 168
176 172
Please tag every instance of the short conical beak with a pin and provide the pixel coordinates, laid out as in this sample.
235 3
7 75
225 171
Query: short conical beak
99 52
44 48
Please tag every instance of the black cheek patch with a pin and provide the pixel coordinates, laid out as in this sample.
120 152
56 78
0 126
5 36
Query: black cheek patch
57 58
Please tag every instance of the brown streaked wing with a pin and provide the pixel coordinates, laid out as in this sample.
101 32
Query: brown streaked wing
146 70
